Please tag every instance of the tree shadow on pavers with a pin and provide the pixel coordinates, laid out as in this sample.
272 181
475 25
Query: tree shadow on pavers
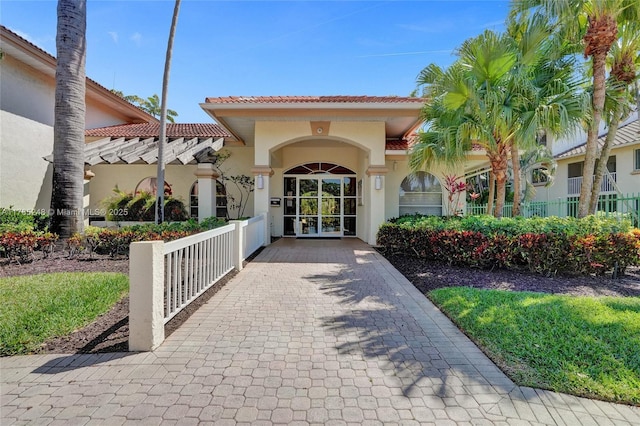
379 327
364 332
66 363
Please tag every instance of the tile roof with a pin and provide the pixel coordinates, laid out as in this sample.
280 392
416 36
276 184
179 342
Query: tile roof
405 144
627 134
402 145
174 130
311 99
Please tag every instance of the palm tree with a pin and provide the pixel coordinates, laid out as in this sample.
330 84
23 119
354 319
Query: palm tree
468 104
69 122
163 115
502 92
153 106
551 100
625 57
594 25
537 161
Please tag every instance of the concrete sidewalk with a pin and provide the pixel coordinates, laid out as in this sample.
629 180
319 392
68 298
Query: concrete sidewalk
310 332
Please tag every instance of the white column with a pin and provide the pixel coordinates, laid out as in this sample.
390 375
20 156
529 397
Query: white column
261 195
376 204
86 199
206 190
146 295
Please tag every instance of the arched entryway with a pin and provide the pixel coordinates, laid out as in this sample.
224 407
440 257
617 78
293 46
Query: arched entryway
320 200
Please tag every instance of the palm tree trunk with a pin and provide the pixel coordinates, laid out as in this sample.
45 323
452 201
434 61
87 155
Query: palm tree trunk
604 157
515 165
501 192
599 68
492 192
500 167
69 122
163 117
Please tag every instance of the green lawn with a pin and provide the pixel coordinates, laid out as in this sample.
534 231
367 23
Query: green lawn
35 308
579 345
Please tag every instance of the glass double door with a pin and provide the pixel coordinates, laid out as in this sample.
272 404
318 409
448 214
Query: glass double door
320 206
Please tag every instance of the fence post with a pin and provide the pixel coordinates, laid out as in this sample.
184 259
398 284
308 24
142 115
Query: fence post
238 251
146 295
267 229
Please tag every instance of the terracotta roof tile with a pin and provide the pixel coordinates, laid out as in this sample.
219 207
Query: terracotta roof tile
310 99
405 144
174 130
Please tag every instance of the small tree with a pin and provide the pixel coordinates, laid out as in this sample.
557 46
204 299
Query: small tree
238 188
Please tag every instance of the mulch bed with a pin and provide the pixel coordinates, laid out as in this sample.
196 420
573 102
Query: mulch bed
110 332
428 275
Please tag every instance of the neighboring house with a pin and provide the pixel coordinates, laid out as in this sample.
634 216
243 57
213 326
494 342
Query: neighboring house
622 179
27 97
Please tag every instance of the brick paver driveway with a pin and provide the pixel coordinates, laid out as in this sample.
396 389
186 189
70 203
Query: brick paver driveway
311 332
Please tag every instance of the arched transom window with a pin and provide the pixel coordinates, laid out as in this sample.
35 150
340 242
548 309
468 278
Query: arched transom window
421 193
319 168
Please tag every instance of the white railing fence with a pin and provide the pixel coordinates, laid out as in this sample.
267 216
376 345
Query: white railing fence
165 277
606 185
193 264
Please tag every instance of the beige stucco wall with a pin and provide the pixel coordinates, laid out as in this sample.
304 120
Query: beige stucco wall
353 144
26 92
27 116
25 177
31 94
181 178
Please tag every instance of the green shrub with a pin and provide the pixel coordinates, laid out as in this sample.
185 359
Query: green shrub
594 245
19 221
126 206
115 242
489 225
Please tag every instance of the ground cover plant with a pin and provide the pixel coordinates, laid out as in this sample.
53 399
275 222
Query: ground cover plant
579 345
593 245
49 305
24 233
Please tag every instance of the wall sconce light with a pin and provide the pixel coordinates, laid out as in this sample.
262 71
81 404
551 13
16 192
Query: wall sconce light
378 182
260 181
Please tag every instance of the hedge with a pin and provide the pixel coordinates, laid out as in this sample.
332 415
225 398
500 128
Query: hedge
542 245
116 242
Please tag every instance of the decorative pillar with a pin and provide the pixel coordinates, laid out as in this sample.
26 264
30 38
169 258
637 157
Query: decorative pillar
206 190
86 198
376 202
261 194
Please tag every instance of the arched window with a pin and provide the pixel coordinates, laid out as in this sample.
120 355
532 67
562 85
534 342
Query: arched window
150 185
421 192
221 200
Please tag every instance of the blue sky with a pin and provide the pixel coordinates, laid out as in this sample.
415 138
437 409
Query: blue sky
263 48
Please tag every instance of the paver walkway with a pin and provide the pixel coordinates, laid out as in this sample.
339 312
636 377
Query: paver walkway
311 332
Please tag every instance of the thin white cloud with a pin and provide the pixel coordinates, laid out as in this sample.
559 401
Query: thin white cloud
492 25
423 52
441 26
24 36
136 38
114 36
